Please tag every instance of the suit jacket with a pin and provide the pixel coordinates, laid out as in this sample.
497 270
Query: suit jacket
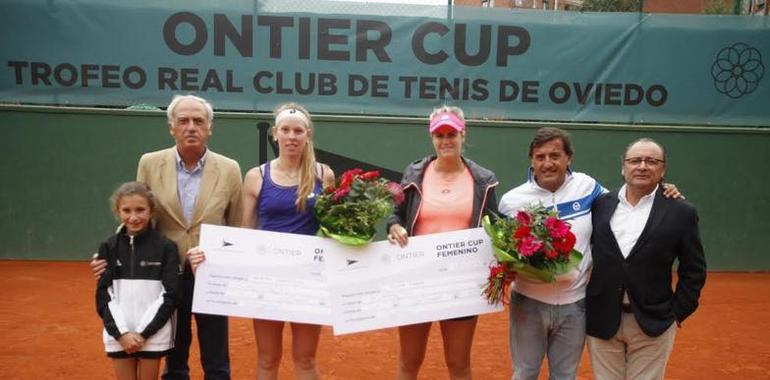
671 233
218 202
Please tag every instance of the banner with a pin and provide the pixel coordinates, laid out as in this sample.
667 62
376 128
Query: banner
389 59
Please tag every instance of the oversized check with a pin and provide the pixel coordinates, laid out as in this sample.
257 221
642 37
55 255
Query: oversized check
434 277
260 274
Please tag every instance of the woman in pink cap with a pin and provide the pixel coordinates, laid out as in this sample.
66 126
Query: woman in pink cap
443 192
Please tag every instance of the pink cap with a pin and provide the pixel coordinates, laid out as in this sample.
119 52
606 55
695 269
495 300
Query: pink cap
446 118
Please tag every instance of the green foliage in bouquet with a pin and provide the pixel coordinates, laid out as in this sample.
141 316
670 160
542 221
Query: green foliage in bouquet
349 210
535 243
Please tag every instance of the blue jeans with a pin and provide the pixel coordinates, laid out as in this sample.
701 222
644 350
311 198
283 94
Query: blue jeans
538 329
212 339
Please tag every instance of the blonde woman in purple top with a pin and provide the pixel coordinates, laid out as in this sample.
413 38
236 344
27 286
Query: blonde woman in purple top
279 196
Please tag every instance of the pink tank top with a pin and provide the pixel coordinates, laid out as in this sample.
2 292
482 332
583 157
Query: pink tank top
447 204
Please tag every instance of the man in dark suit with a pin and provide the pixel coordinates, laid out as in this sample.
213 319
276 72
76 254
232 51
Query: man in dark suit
637 236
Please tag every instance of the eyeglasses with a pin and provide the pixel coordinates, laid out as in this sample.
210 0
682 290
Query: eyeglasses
636 161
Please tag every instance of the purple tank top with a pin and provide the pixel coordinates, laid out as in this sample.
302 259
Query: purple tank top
277 211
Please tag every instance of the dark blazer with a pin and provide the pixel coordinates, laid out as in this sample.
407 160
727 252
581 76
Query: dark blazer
671 233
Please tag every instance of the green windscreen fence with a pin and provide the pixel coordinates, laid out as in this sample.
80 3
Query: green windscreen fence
375 71
61 165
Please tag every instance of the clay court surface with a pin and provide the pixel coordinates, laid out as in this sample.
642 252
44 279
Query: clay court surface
50 330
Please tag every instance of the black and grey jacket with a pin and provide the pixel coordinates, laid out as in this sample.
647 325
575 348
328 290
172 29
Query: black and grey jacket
138 291
484 198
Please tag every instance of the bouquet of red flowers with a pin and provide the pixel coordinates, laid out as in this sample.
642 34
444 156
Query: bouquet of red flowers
349 210
535 243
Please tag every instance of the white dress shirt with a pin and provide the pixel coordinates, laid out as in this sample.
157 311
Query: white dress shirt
628 221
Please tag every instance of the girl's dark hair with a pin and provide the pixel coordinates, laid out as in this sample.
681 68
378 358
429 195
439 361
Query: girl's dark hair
132 188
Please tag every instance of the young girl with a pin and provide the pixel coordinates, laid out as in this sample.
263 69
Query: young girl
136 296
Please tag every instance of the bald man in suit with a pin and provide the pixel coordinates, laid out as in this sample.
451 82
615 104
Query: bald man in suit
632 313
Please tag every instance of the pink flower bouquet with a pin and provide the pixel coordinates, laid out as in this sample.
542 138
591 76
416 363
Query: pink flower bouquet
535 244
349 210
